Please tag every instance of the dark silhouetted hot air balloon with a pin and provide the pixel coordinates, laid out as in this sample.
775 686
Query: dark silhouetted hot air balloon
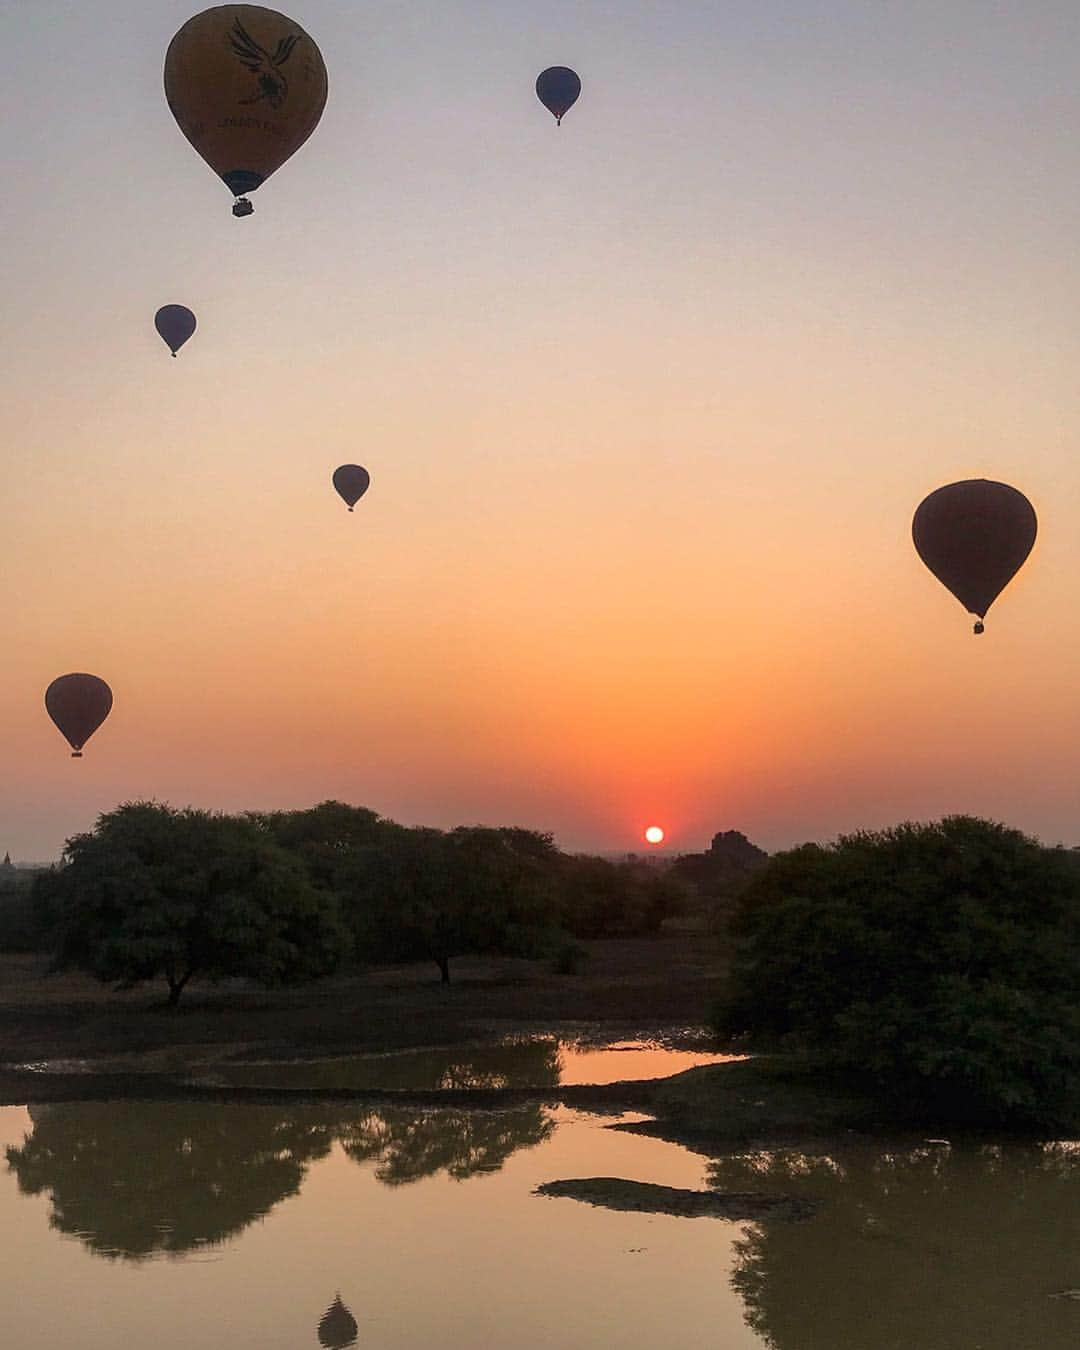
78 704
337 1328
175 324
247 87
351 482
558 88
974 537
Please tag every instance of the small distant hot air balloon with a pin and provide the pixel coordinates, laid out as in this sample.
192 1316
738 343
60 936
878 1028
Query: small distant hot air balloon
558 88
974 536
247 86
175 324
337 1328
78 704
351 482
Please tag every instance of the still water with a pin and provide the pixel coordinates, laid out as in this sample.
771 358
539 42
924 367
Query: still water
518 1061
210 1227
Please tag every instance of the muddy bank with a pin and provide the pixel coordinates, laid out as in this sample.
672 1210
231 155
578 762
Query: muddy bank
642 1197
21 1088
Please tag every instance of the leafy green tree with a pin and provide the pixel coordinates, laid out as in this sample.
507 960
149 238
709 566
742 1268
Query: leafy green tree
937 961
153 891
333 840
473 889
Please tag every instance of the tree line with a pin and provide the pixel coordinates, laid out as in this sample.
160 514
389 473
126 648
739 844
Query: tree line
153 892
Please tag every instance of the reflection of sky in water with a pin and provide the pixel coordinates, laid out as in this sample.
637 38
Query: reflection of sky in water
430 1263
425 1226
517 1062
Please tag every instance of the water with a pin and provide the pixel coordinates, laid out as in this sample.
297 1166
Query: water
208 1227
520 1061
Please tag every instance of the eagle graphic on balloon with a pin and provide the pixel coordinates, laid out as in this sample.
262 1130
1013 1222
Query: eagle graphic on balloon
272 84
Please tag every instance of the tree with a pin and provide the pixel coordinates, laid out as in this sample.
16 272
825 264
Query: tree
600 898
939 962
470 890
333 840
152 892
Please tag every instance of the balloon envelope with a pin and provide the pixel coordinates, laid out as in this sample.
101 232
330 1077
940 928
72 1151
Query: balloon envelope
974 536
78 704
175 324
351 482
558 88
247 86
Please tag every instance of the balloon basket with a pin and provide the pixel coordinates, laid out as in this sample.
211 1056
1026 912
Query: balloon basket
242 207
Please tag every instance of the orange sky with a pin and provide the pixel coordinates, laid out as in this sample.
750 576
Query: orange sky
647 403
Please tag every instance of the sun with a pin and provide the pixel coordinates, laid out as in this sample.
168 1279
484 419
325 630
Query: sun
654 835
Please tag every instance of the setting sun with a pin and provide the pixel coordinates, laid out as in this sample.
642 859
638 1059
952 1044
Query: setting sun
654 835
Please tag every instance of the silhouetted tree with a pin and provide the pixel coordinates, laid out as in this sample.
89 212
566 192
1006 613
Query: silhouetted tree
152 891
20 926
601 898
333 840
473 889
938 961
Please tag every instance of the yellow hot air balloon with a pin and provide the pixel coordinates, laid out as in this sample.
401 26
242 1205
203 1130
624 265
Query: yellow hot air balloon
247 86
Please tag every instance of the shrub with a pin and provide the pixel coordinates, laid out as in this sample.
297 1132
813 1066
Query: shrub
939 962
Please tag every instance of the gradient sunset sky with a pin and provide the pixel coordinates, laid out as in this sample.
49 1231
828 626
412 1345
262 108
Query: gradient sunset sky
647 401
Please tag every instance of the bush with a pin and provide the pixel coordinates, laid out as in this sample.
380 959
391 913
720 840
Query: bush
939 962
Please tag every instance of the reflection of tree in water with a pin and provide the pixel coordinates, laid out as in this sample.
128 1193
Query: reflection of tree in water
506 1064
930 1247
527 1063
337 1327
136 1179
407 1144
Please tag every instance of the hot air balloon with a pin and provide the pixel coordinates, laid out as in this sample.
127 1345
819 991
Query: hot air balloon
351 482
974 537
78 704
558 88
175 324
337 1327
247 87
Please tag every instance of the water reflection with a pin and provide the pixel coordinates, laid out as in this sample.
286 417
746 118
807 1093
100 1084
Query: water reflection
140 1179
337 1327
929 1246
517 1062
407 1144
137 1180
